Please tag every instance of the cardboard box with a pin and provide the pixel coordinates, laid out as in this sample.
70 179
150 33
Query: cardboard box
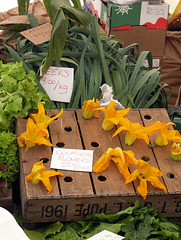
152 40
141 23
116 16
121 17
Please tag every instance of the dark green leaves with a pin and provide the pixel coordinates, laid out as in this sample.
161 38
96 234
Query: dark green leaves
63 15
9 156
96 59
23 6
57 41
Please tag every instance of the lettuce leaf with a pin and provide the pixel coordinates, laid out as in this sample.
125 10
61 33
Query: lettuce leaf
9 156
18 94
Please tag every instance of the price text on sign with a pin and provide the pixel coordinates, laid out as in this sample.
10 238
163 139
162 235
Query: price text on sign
82 210
58 83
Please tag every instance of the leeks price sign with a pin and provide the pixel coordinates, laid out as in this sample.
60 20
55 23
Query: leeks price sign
58 83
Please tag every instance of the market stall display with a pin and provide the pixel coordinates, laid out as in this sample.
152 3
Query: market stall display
120 161
78 194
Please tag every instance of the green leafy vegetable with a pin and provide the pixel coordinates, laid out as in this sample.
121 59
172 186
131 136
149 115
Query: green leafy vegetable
9 156
99 59
134 223
18 93
45 232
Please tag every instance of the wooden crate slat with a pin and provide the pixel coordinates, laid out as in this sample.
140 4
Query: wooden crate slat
168 167
69 209
111 180
65 131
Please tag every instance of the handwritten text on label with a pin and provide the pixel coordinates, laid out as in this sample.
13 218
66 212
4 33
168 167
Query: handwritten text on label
58 83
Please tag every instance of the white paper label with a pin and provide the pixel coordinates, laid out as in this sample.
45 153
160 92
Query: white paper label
151 13
106 235
72 159
155 63
58 83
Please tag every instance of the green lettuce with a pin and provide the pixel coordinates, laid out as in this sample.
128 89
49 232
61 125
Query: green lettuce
9 156
18 93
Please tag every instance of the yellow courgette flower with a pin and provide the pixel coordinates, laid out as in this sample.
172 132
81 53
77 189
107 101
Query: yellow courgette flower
33 135
41 119
112 116
120 157
103 162
89 108
166 134
40 174
136 130
146 173
176 152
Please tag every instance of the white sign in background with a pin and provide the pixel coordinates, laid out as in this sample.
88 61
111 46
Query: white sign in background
58 83
151 12
72 159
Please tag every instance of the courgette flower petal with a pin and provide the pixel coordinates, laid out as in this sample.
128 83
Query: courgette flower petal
40 174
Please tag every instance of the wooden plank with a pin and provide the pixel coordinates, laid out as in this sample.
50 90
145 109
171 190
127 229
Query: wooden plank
95 138
7 201
64 132
3 188
69 209
168 167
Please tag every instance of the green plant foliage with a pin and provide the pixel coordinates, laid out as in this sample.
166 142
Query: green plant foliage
63 16
18 94
99 59
23 6
9 156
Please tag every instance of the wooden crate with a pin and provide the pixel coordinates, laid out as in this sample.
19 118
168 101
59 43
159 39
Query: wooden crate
6 199
80 193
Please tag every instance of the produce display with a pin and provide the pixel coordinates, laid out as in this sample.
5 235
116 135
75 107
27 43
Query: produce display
97 59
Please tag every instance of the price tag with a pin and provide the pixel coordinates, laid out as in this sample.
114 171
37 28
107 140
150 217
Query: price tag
58 83
72 159
38 35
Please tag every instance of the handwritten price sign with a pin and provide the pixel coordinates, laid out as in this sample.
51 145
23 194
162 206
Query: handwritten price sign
72 159
39 34
58 83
